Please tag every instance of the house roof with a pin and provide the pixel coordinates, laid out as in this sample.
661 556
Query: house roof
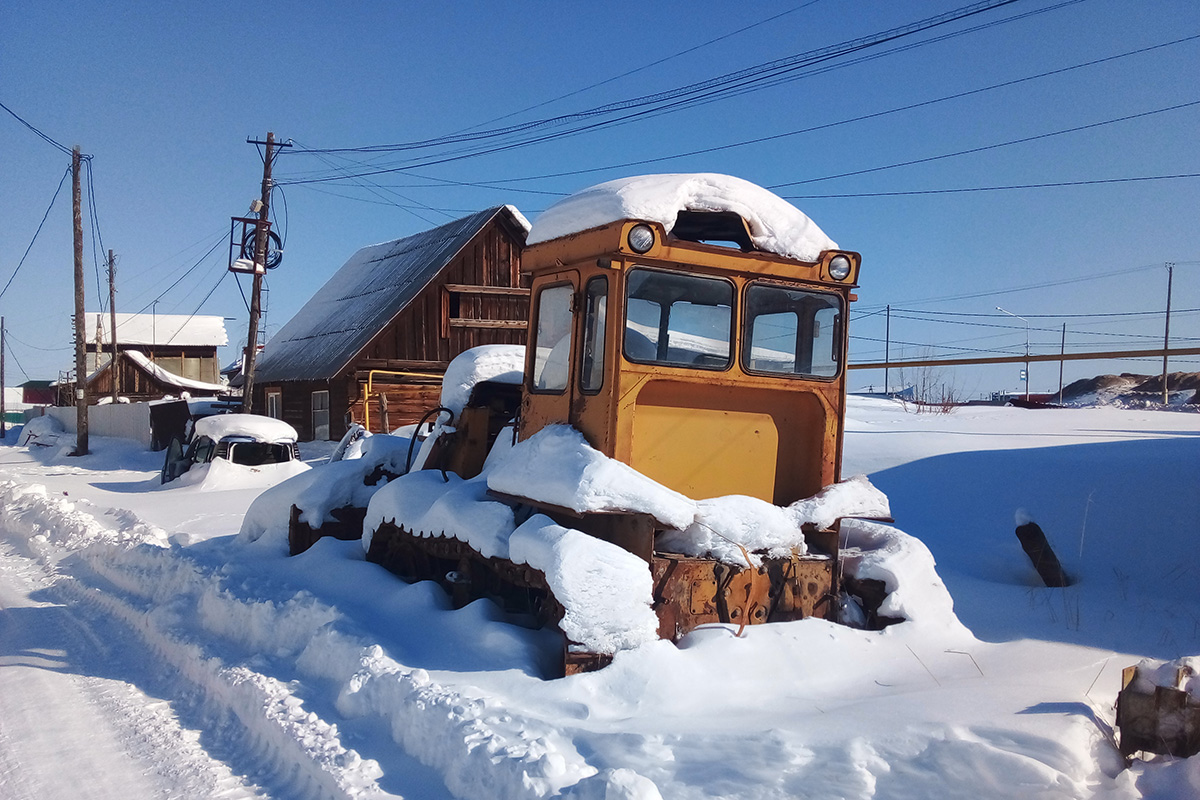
158 329
362 297
166 379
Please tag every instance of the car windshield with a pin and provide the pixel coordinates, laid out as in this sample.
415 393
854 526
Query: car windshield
254 454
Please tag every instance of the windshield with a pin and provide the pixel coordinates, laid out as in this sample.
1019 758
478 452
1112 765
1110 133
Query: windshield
677 319
792 331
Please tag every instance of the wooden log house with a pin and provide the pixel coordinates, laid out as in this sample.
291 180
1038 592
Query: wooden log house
372 344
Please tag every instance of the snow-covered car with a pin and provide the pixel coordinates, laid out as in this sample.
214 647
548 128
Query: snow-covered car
246 439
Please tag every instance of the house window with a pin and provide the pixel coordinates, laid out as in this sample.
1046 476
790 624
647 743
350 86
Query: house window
275 404
320 415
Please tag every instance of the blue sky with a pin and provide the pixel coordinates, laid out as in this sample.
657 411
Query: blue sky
165 95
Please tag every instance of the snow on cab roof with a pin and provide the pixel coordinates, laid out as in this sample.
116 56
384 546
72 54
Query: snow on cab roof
263 429
776 226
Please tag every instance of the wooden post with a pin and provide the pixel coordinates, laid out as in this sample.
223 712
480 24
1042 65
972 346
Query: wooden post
114 367
3 410
1034 543
1167 331
81 412
1062 360
260 257
887 351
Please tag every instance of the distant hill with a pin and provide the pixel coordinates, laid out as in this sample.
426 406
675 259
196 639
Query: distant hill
1128 389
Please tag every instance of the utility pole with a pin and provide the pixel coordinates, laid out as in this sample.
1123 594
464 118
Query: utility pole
114 372
1062 359
260 262
1167 330
3 410
1018 316
81 411
887 347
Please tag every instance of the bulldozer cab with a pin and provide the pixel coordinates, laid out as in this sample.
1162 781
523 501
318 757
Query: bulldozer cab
707 365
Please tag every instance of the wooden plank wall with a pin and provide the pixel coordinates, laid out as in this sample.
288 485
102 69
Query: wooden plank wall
492 258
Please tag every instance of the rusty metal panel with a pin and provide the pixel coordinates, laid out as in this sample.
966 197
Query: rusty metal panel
1162 720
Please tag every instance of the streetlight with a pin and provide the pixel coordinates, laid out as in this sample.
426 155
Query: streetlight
1011 314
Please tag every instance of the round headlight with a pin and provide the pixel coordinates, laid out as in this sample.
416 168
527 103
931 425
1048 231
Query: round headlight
839 268
641 238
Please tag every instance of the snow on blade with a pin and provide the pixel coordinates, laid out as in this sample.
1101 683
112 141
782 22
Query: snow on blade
503 363
604 589
426 505
776 226
725 525
253 426
557 466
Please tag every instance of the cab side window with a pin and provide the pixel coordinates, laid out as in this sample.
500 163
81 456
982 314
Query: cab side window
552 339
595 310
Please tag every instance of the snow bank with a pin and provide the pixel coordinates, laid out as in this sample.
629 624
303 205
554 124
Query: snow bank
253 426
220 475
503 363
916 592
557 466
605 590
40 430
776 226
318 491
43 520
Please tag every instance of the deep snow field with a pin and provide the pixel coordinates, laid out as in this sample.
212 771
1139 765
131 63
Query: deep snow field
145 652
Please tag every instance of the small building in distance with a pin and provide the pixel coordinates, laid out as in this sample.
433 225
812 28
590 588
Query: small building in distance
372 344
157 355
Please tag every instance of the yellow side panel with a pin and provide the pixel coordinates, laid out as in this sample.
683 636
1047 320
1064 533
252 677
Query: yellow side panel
714 439
705 452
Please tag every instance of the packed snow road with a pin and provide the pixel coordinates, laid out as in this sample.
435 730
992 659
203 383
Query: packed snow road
146 653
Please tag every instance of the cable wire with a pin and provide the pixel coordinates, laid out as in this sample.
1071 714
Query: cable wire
21 263
62 147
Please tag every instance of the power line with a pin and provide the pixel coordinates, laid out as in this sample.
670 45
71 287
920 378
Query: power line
672 99
985 148
183 276
21 263
1030 287
8 348
1042 316
1056 184
8 333
179 330
94 218
848 120
61 147
652 64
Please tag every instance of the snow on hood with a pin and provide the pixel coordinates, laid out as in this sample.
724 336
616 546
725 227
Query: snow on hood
503 363
253 426
776 226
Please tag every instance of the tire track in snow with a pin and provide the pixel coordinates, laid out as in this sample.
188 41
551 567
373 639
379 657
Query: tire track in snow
174 606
